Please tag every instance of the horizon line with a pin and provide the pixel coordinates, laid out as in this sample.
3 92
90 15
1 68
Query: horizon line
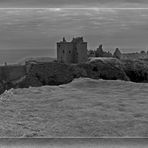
77 8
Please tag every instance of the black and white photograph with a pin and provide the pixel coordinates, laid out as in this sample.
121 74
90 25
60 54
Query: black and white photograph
74 72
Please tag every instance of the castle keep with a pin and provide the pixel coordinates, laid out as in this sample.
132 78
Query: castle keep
72 52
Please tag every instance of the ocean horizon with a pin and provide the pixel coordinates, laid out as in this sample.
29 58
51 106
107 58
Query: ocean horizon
13 56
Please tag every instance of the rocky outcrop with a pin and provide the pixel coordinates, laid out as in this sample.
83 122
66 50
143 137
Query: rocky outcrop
104 68
54 73
2 89
117 54
51 73
136 70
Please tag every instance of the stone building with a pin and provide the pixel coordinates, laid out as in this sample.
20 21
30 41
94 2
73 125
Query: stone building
99 52
72 52
130 56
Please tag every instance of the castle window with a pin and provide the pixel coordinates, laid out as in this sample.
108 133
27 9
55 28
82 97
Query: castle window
63 51
69 51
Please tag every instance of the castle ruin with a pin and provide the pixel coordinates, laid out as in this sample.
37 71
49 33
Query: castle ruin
72 52
132 56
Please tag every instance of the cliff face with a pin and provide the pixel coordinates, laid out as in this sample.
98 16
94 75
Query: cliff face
104 68
136 70
53 73
47 74
9 75
57 73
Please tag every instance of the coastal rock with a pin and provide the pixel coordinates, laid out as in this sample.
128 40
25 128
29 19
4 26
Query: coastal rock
2 88
29 81
54 73
51 73
104 68
136 70
78 71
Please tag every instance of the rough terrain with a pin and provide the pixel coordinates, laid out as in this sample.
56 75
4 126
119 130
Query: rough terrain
82 108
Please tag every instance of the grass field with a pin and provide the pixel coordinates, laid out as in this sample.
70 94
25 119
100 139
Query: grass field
83 108
73 143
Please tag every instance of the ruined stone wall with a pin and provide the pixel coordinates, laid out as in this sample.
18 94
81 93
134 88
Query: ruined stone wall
132 56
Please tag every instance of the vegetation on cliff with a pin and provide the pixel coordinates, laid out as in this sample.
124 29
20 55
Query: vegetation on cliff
54 73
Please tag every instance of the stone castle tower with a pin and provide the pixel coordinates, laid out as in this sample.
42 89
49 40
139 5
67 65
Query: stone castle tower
72 52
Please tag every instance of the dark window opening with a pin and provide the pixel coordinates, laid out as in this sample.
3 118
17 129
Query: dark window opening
69 51
63 51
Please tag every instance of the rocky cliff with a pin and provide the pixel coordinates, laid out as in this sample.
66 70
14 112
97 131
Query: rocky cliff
53 73
136 70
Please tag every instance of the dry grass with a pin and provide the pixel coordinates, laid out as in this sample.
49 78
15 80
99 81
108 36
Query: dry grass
83 108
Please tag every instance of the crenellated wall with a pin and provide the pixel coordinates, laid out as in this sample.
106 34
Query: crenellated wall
72 52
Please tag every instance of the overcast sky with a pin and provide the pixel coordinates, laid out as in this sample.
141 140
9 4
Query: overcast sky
42 28
73 3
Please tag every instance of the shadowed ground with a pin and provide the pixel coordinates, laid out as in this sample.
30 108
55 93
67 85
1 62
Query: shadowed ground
74 142
82 108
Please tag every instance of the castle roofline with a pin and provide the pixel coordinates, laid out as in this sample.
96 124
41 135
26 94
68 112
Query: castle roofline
70 42
74 40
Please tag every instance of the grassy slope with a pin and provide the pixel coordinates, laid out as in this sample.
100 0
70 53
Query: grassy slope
83 108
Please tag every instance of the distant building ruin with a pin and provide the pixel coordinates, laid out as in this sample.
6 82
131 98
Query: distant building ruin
117 54
132 56
99 52
72 52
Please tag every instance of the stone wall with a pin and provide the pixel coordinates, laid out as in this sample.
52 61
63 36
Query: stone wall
82 52
130 56
99 52
72 52
133 56
65 52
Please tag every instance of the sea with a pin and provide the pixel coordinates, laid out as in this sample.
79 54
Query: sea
14 56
